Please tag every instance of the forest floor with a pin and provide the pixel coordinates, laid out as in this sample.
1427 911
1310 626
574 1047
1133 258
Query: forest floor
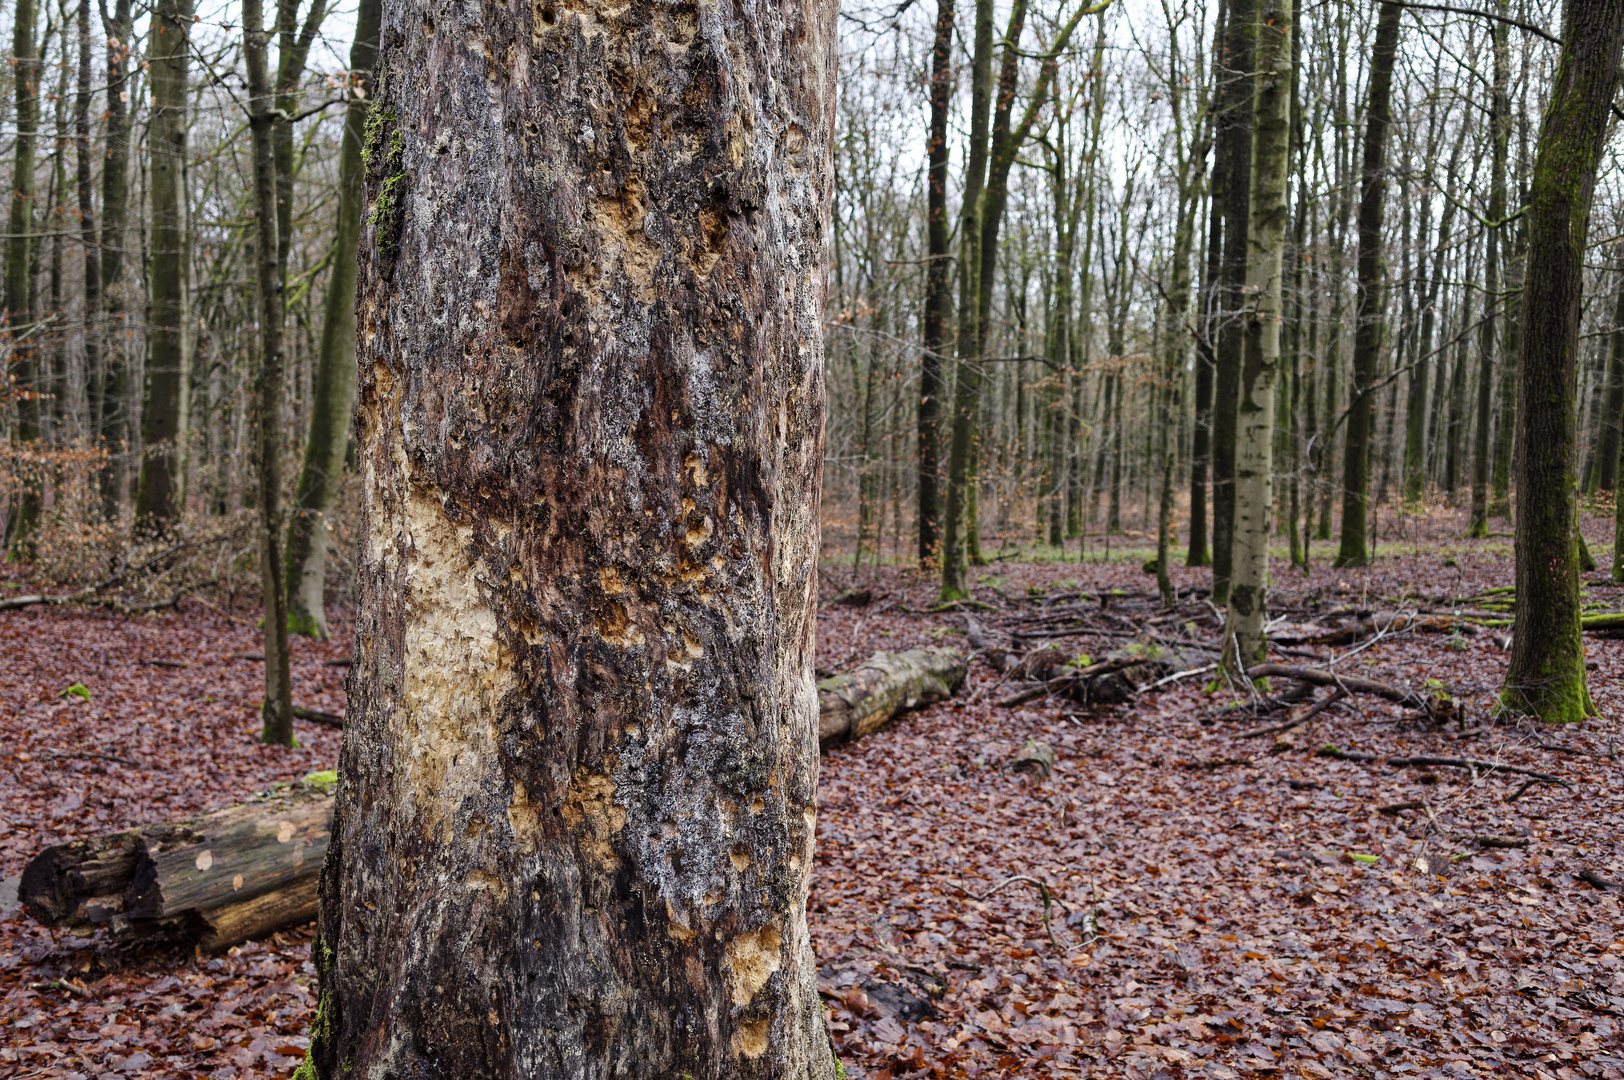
1221 906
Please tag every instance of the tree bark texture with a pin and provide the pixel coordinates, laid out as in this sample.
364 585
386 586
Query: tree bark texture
1354 549
277 711
1546 675
1233 143
1266 243
165 415
1499 135
1607 442
938 284
113 417
334 391
578 783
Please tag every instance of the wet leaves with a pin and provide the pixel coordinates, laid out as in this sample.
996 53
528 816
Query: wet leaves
1210 912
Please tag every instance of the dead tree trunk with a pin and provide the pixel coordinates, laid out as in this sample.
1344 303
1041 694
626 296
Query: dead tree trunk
859 702
574 826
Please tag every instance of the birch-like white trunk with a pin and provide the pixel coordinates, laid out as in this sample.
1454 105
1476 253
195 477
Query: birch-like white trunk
1254 445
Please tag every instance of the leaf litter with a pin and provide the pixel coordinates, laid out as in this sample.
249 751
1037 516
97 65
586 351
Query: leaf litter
1165 899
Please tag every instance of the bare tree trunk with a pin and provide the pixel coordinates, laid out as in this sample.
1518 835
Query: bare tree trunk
577 792
277 712
1370 304
1266 231
91 316
165 415
1607 445
113 420
334 391
1546 675
1499 134
19 253
938 281
1233 143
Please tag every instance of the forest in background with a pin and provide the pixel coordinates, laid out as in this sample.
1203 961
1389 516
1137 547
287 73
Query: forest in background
1057 383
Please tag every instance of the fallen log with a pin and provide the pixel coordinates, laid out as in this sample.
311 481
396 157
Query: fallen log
1352 684
217 879
249 870
1113 680
859 702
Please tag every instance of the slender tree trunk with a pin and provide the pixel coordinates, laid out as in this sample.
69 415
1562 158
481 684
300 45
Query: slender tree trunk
1607 444
20 255
92 325
1233 143
1546 675
113 420
165 415
1505 429
938 280
574 825
1415 450
1254 444
1370 303
278 708
334 392
967 380
1499 134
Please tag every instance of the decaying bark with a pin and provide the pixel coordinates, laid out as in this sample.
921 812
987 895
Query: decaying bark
578 782
859 702
217 879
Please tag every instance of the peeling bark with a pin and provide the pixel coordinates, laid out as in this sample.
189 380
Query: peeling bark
578 784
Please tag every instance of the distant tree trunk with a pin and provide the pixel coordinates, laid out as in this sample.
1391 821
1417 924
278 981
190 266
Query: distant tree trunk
1254 442
165 415
19 252
1057 396
1232 143
91 315
938 281
1199 553
113 418
1506 426
334 395
278 707
574 823
1546 675
1370 303
1607 443
1456 418
967 380
1499 134
1415 428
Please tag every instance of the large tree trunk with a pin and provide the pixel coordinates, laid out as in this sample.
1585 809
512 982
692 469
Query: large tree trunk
938 282
1354 549
1546 675
165 414
334 391
1254 445
277 711
578 783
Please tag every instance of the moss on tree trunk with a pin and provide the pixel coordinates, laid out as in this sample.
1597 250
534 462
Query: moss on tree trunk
1546 676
